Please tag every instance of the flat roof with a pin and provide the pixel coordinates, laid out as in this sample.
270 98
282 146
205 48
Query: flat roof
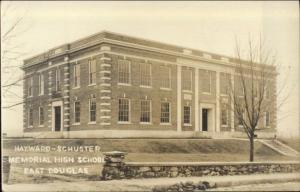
104 36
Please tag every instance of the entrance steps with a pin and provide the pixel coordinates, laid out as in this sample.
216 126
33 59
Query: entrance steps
280 147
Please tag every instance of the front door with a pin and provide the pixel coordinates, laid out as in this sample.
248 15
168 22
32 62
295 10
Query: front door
57 118
204 119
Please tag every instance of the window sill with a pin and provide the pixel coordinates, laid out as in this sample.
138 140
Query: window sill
30 96
206 93
90 85
30 127
165 89
187 91
145 123
41 125
188 125
222 94
224 126
41 94
92 123
124 84
145 86
124 122
76 87
165 124
76 124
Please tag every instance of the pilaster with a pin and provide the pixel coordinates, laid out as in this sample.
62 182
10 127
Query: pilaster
105 89
197 99
179 98
217 101
66 96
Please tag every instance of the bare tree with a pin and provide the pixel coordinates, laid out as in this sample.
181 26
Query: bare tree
253 90
11 55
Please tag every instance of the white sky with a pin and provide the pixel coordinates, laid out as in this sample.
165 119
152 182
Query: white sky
208 26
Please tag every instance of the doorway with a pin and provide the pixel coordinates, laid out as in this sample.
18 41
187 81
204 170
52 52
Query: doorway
57 118
204 119
207 117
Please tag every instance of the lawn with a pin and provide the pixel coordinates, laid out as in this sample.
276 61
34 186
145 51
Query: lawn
139 150
293 143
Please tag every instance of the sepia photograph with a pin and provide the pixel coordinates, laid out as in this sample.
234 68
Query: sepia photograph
154 96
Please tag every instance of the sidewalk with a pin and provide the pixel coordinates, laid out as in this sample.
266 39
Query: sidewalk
147 184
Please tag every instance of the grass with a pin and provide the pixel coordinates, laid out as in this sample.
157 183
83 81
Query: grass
293 143
139 150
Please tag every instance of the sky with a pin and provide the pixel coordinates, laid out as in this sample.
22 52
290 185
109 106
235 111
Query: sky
208 26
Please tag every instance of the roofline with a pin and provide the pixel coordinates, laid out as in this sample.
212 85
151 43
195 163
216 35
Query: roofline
122 35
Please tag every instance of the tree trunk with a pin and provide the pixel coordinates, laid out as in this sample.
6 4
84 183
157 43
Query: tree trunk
252 148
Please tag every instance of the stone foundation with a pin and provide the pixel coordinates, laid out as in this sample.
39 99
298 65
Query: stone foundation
118 169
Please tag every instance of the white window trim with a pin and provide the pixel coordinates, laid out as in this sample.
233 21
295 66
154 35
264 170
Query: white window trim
244 113
41 87
129 78
74 112
90 64
150 118
92 122
265 119
30 93
74 75
146 86
170 80
129 113
57 77
124 84
165 89
30 126
227 118
170 115
191 76
40 117
210 84
188 124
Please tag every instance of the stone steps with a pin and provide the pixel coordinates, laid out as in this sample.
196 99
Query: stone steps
280 147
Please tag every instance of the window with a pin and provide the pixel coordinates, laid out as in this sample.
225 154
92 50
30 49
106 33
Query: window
30 117
239 87
145 111
30 86
57 79
240 120
225 83
224 116
41 84
41 115
267 91
145 74
165 76
165 112
76 75
92 71
267 119
187 79
187 115
206 82
124 71
93 108
124 110
77 111
256 90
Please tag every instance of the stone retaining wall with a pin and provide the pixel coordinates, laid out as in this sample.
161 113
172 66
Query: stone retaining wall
115 168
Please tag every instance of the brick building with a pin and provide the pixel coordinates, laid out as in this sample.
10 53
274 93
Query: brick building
108 84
